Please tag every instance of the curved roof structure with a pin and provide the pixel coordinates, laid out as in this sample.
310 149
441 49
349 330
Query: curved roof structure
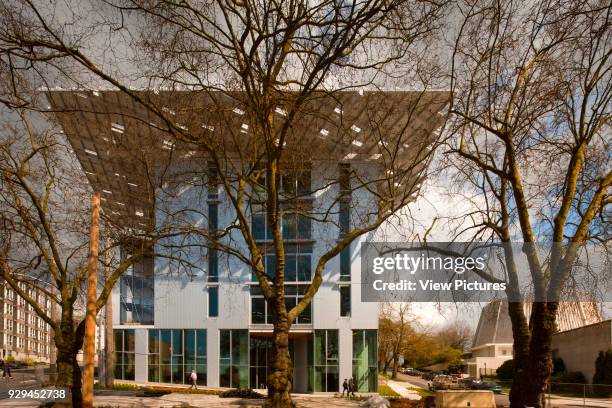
494 326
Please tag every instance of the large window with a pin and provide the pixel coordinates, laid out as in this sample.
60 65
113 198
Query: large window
364 360
296 227
262 231
136 292
260 354
293 294
234 358
173 354
296 183
323 361
293 226
298 263
124 354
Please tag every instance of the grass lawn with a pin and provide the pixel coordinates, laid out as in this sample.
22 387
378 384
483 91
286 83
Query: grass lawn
422 392
386 391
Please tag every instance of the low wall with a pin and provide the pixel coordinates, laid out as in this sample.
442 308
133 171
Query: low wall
462 399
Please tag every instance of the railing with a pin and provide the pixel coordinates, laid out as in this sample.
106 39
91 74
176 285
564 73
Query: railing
576 394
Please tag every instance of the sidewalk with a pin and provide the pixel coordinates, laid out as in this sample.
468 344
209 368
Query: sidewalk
401 388
195 400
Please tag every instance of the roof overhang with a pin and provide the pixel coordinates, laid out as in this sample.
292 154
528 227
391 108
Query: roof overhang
123 145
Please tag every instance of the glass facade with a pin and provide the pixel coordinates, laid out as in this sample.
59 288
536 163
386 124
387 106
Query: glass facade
124 354
298 264
260 350
364 360
293 294
137 293
234 358
323 370
174 353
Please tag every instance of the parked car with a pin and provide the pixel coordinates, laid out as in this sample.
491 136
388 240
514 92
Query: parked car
445 382
490 386
470 383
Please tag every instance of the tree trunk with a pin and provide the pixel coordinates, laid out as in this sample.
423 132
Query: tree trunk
543 326
521 336
69 373
77 384
280 371
395 363
68 342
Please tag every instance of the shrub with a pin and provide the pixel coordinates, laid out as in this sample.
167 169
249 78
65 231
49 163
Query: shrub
603 368
241 393
504 371
29 361
457 367
558 366
574 377
603 373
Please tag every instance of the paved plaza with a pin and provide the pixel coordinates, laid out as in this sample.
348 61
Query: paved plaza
195 400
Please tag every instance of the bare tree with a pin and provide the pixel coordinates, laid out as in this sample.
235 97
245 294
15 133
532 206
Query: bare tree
280 65
396 328
44 228
254 74
531 138
455 335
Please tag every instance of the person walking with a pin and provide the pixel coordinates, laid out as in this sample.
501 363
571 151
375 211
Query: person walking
193 378
351 386
6 369
345 387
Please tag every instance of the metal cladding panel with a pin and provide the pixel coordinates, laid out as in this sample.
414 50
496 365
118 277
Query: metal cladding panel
126 148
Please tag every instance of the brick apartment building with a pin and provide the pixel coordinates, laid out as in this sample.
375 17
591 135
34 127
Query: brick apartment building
23 334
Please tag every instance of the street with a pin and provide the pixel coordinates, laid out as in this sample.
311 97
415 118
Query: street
22 378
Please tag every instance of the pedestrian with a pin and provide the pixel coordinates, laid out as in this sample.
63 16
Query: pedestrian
193 377
345 387
6 369
351 386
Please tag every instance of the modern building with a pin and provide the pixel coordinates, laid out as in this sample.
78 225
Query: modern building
170 319
492 344
24 335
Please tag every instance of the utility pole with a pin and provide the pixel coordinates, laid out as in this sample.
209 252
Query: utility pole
108 315
89 346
